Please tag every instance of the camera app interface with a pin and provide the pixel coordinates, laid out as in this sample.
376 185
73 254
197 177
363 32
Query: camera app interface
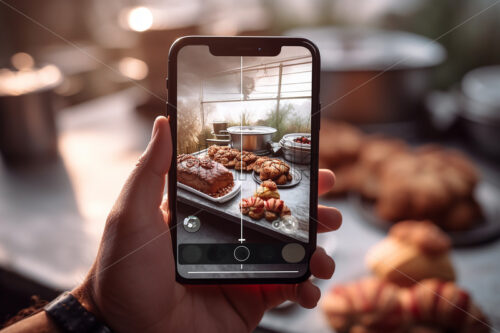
243 164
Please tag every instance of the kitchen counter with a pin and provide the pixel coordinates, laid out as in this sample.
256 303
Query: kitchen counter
52 216
296 198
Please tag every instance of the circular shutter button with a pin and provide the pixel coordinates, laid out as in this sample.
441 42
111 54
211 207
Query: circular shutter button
191 224
241 253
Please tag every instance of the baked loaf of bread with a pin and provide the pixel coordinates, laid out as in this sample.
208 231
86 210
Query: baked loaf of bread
367 305
413 251
371 305
430 183
442 306
204 175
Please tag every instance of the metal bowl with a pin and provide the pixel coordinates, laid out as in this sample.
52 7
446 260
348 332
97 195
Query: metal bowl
295 152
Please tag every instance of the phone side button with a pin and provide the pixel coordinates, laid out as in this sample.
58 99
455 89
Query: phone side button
241 253
166 82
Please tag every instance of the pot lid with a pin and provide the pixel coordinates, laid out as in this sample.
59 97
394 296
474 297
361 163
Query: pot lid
483 85
249 130
354 49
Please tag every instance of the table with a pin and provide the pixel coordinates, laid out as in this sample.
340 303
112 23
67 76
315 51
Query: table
52 215
296 197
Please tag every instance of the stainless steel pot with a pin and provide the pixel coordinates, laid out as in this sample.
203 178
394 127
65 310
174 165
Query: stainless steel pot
296 152
373 76
256 139
480 112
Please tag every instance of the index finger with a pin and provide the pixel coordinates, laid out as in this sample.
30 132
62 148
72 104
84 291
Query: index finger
326 180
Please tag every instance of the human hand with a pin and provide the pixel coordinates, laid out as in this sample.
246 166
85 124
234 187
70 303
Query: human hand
131 285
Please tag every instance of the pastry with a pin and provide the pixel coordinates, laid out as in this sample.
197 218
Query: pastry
429 184
339 143
375 152
443 306
253 207
413 251
367 305
275 208
275 169
339 147
258 163
371 305
204 175
267 190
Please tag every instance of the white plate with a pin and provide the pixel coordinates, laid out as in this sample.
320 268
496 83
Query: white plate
230 195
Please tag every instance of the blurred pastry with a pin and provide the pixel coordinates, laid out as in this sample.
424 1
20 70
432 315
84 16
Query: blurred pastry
367 305
373 154
339 143
413 251
339 148
442 306
267 190
428 184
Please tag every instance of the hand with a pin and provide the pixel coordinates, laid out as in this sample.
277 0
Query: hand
132 286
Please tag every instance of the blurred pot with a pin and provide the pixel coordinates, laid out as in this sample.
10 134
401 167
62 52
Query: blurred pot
371 76
480 112
27 121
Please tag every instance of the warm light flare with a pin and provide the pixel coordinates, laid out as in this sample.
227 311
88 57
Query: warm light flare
140 19
22 61
133 68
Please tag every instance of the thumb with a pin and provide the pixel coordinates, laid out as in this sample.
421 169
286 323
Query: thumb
143 190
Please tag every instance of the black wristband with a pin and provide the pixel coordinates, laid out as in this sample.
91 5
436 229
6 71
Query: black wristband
70 316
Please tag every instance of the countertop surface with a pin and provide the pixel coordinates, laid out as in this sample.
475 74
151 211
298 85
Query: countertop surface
296 198
52 215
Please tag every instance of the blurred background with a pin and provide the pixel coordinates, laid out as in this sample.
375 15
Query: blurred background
81 82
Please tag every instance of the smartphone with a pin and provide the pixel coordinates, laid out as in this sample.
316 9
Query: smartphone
242 188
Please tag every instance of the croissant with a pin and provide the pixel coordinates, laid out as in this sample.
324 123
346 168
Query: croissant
253 207
413 251
367 305
275 208
444 306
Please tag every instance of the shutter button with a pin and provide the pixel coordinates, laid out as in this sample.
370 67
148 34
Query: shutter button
241 253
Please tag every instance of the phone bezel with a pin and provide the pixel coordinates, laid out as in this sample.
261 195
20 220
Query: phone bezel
245 46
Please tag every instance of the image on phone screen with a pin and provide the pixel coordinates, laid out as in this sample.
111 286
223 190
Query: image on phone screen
243 164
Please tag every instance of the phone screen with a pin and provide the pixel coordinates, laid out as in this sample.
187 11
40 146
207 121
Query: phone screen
244 164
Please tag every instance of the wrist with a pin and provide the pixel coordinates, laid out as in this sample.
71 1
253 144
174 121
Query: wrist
86 297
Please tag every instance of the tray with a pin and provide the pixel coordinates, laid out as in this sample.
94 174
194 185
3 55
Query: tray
229 196
296 178
486 230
